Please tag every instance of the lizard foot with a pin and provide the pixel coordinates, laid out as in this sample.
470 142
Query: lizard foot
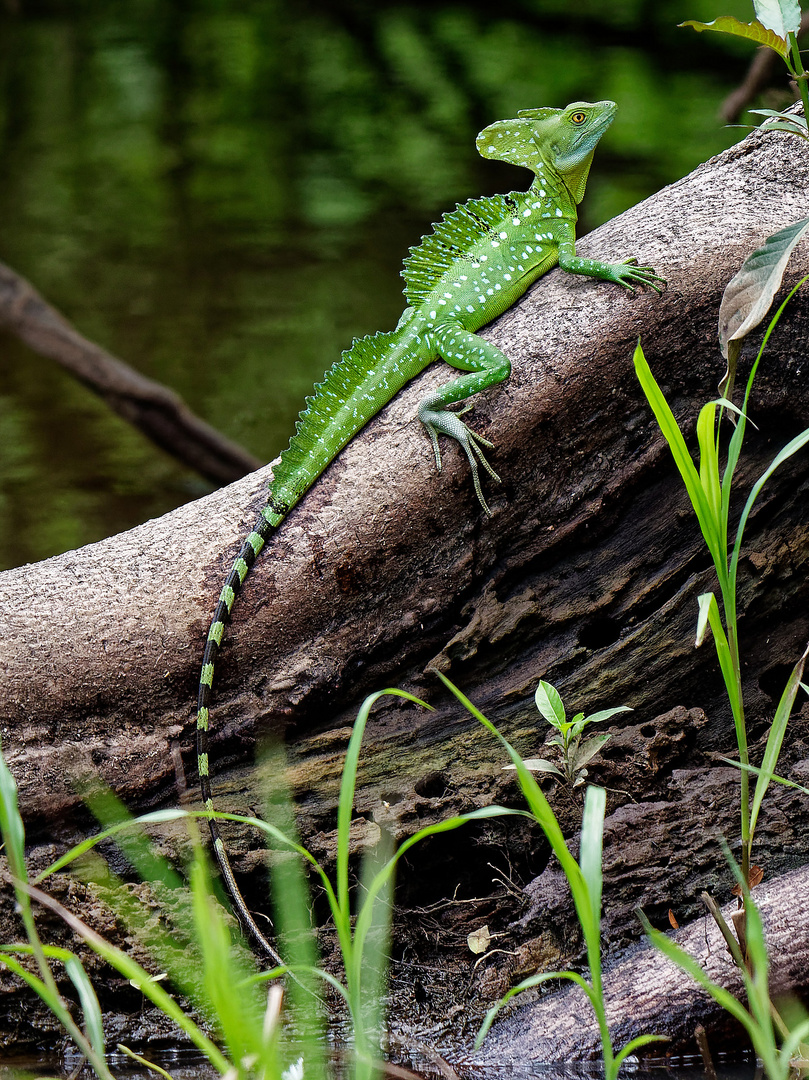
630 275
441 421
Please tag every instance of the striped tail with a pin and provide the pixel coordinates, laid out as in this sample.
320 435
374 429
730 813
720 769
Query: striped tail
268 521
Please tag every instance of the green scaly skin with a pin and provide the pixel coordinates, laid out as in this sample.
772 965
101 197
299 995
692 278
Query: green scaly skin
477 262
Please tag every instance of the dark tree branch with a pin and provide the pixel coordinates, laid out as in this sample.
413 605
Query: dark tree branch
149 406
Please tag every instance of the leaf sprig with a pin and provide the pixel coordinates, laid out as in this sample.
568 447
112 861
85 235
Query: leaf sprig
776 26
575 754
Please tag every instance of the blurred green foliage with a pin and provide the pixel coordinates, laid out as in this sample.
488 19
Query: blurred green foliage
222 194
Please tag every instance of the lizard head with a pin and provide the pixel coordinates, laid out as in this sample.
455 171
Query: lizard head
562 140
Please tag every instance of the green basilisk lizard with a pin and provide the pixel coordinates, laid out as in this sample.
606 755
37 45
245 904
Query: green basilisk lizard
476 263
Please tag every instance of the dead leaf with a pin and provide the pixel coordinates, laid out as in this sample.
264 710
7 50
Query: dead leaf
755 876
479 940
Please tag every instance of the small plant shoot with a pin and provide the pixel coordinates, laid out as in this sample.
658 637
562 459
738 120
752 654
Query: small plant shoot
584 878
574 753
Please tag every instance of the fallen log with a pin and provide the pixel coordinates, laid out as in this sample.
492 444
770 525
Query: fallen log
645 993
587 575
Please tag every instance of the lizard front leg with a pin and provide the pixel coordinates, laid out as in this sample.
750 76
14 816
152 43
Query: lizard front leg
624 273
485 365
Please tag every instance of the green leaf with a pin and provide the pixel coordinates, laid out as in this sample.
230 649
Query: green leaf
687 469
605 714
775 738
753 31
749 294
538 765
587 750
787 120
550 704
781 16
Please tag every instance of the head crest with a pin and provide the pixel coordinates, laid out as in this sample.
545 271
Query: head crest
562 140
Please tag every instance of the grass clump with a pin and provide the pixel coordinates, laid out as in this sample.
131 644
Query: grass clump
229 995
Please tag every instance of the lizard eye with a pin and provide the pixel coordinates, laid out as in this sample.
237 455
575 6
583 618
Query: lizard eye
578 118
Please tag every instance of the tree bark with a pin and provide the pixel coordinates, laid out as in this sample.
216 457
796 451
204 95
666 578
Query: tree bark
586 575
645 993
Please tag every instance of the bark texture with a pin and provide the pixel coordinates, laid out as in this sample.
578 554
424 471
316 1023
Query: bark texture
587 575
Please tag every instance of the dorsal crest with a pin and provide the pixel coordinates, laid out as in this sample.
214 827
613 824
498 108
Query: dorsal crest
452 238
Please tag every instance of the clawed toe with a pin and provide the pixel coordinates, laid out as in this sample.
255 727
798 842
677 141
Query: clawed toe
444 422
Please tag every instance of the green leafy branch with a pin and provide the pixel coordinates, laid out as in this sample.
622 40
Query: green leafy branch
776 26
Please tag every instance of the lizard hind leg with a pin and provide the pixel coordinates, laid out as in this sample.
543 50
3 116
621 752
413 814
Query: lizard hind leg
484 366
441 421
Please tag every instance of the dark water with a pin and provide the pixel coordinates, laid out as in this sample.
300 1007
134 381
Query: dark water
190 1065
222 195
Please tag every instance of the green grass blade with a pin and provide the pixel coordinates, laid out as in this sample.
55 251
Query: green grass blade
237 1015
682 459
109 811
12 832
709 459
633 1045
157 817
133 971
526 984
150 1065
539 807
792 1043
11 824
590 848
94 1024
689 965
54 1001
348 783
383 876
709 616
775 739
